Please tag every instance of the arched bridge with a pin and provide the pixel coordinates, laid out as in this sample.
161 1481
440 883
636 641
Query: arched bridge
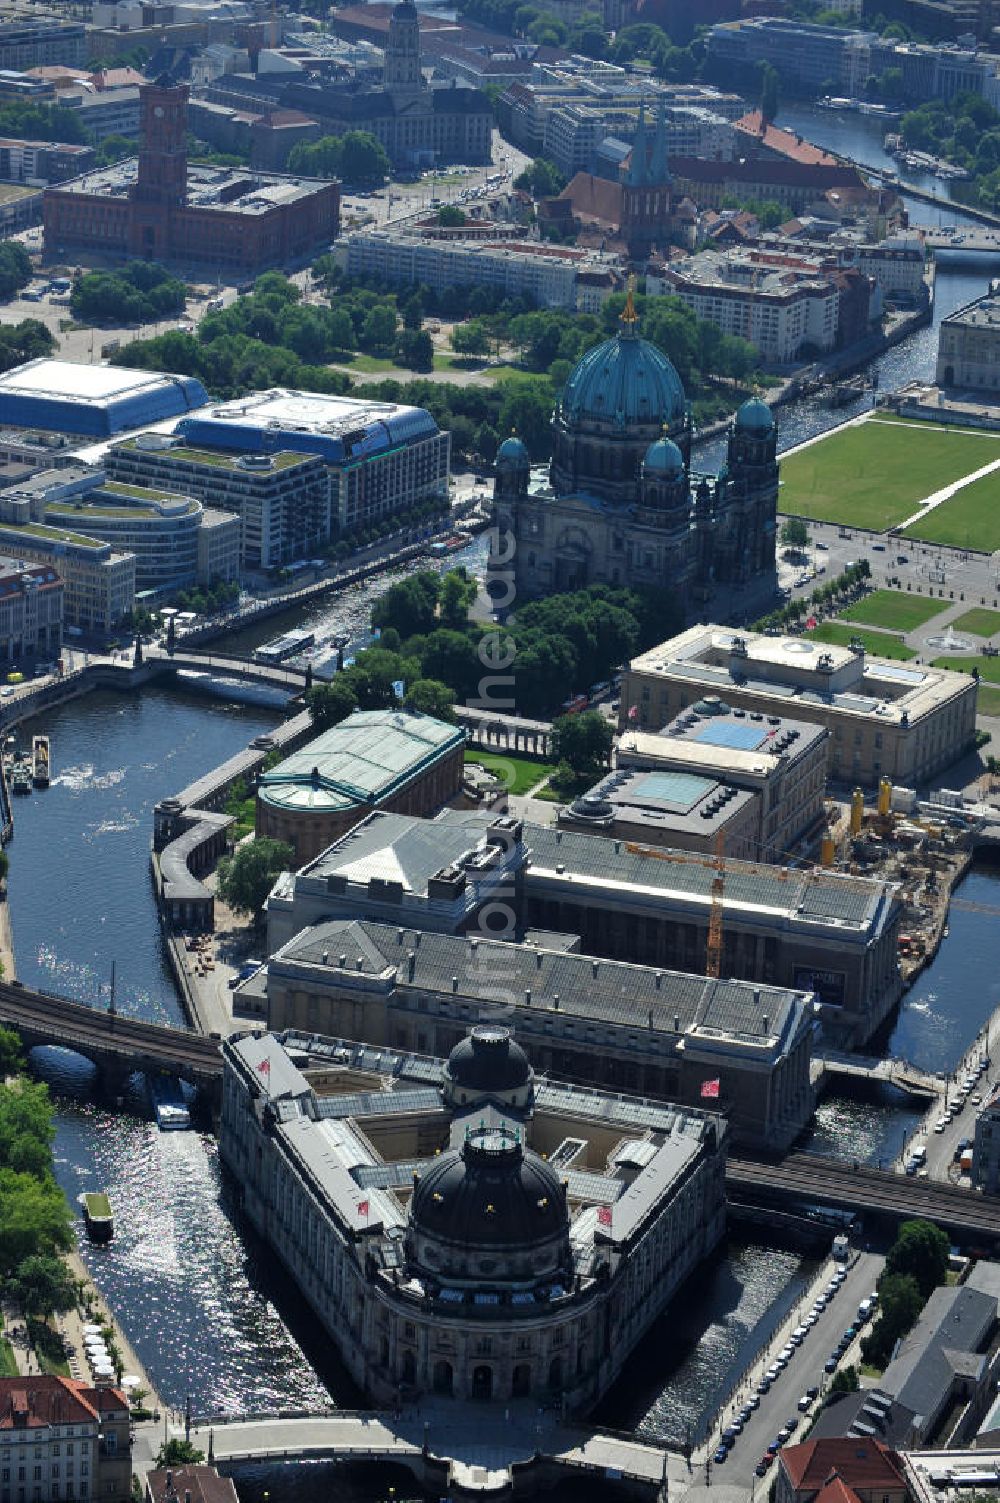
805 1177
279 675
117 1045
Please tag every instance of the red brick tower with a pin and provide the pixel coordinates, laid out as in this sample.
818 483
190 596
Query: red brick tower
161 185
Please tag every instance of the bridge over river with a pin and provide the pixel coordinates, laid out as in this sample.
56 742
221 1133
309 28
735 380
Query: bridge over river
809 1178
117 1045
472 1451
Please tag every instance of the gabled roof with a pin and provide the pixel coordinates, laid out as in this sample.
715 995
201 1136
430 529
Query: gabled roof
860 1463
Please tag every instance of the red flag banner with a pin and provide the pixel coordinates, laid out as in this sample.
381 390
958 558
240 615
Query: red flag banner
363 1208
710 1088
264 1068
604 1216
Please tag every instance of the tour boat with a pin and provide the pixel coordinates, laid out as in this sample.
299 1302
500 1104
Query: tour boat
168 1103
40 761
97 1217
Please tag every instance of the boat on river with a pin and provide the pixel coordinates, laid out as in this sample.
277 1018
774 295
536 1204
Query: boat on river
40 761
283 648
169 1105
97 1216
20 777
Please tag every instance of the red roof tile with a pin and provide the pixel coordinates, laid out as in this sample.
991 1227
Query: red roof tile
860 1461
784 141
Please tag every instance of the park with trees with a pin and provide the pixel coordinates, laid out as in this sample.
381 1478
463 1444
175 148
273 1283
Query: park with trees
141 292
916 1264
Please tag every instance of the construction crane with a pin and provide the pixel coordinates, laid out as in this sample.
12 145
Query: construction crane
713 949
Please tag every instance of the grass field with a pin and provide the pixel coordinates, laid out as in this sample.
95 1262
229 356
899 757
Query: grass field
980 622
988 702
893 609
878 643
8 1362
522 770
875 474
970 519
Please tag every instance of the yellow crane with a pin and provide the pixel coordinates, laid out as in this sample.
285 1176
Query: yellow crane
713 949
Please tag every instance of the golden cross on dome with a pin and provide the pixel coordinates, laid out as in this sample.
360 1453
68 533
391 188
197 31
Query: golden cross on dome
629 315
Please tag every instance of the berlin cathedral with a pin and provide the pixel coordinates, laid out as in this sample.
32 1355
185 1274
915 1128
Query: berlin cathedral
620 504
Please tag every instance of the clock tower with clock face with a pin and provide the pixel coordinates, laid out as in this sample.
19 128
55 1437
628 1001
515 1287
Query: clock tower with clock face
163 152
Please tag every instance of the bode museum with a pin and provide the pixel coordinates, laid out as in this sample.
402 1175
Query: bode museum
463 1227
620 504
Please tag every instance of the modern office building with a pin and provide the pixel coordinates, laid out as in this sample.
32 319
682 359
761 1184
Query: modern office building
902 721
98 583
157 207
92 401
382 457
281 499
74 1437
462 1228
715 780
550 275
618 506
31 610
42 161
173 540
969 347
26 42
375 759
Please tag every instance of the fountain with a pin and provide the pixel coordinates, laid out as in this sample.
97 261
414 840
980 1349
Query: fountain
949 641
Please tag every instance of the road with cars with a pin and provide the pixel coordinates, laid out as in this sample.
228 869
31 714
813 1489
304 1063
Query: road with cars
800 1365
934 1149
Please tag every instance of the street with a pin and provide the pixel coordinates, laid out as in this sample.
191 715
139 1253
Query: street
779 1406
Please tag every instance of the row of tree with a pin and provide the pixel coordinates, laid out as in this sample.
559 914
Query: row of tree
27 340
917 1262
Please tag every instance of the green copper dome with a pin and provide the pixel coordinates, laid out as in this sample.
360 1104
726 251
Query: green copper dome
663 458
512 452
625 381
755 416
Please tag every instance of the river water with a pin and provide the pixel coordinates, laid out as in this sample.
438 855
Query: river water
208 1312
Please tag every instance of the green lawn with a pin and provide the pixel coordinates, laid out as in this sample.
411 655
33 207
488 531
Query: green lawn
358 361
980 622
893 609
988 699
8 1362
875 474
518 773
971 519
878 643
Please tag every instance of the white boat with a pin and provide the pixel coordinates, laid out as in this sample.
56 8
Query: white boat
168 1103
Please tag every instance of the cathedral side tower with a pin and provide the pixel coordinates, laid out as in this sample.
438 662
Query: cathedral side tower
748 499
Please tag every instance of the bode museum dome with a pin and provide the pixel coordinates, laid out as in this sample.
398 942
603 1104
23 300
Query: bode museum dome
620 503
461 1227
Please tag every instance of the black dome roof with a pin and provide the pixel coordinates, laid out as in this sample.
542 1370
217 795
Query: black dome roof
490 1193
488 1061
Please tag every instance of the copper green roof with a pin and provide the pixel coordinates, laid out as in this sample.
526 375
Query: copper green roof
359 763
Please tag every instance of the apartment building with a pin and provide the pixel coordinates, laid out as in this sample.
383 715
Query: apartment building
31 610
62 1439
547 273
29 43
98 583
780 308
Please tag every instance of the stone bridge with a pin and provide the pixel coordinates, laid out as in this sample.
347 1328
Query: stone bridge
116 1044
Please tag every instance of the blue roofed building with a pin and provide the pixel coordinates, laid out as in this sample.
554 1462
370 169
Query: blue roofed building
383 457
94 401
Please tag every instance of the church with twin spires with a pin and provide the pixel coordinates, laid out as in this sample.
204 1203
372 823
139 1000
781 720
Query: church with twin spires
620 504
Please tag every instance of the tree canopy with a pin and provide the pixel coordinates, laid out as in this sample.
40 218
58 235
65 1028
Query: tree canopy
23 341
920 1250
141 292
357 157
43 1285
15 268
246 877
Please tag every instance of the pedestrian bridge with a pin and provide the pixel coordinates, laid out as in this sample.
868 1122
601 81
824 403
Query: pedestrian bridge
906 1077
472 1451
117 1045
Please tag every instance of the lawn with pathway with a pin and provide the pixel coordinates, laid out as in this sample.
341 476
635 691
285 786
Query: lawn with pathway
893 609
879 643
875 473
988 700
970 519
525 773
979 622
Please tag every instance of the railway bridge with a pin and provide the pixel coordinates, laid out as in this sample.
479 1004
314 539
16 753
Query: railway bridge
811 1179
116 1044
